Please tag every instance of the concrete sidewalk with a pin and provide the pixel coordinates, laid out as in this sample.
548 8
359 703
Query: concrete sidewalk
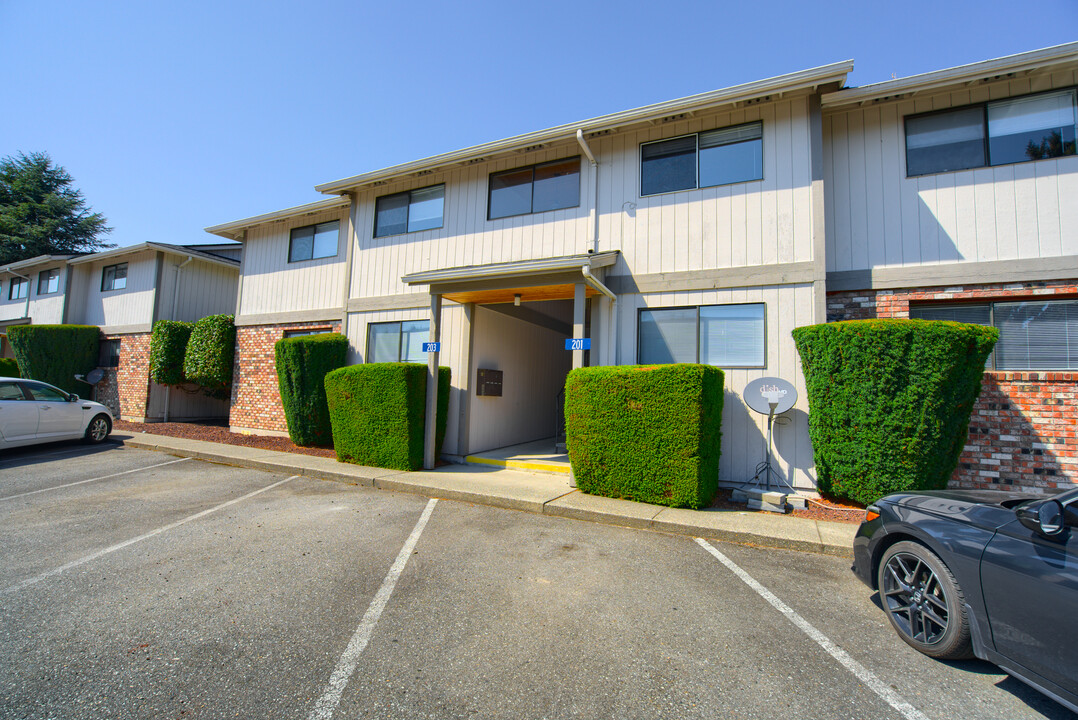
539 493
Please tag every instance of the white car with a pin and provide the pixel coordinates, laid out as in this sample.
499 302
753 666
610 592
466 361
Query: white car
34 412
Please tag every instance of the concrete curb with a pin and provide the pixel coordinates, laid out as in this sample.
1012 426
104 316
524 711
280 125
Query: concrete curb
538 493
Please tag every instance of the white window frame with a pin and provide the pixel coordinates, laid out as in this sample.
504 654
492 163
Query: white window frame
699 344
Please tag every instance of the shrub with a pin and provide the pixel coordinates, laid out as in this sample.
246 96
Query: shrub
210 352
302 364
168 349
9 367
378 413
56 353
890 401
649 433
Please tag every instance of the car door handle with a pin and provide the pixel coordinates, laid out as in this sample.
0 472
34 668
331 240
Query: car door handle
44 407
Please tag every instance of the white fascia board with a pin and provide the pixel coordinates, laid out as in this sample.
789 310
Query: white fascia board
542 266
159 247
988 69
234 230
31 262
804 79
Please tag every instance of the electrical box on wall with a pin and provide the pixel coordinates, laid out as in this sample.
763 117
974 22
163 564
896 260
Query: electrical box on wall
488 383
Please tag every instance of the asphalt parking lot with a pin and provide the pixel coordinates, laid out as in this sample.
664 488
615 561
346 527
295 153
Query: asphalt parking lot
136 584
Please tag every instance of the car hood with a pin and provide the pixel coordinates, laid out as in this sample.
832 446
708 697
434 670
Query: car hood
990 508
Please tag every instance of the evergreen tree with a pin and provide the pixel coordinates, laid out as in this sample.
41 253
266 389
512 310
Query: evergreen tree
41 213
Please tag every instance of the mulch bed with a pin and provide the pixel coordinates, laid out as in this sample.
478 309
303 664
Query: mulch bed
835 510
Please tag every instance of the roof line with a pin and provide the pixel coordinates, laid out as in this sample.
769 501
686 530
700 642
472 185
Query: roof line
232 230
163 247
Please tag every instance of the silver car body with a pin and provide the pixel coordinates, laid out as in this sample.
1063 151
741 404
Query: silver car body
34 412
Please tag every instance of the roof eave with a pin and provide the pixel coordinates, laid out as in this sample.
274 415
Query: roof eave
157 247
234 230
542 266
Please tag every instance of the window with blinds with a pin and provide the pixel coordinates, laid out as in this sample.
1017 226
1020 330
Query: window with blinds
716 157
311 242
397 341
727 336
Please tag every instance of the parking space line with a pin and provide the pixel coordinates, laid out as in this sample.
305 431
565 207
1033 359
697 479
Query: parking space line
860 671
83 482
346 666
119 546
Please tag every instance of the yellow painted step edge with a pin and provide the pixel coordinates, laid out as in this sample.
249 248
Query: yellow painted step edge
520 464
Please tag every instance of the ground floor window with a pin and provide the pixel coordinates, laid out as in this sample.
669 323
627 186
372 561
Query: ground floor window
109 353
728 336
307 331
1033 334
397 341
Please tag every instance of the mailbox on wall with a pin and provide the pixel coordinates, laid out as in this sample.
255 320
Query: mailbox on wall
488 382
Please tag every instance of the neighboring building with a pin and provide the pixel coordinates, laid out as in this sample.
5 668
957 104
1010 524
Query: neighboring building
124 291
702 229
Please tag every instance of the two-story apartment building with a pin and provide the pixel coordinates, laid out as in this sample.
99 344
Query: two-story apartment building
702 229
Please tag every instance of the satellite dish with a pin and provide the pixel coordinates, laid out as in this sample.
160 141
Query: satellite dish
93 377
770 395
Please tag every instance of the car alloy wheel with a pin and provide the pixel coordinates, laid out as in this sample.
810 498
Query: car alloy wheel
923 601
98 429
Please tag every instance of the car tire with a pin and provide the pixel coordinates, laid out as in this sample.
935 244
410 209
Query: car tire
924 602
98 429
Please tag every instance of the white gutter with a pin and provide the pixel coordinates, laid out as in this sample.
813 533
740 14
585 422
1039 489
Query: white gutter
594 210
175 302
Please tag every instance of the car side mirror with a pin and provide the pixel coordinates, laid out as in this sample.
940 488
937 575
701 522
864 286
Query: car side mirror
73 398
1046 517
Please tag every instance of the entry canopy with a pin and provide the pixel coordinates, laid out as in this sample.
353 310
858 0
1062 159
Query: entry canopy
543 279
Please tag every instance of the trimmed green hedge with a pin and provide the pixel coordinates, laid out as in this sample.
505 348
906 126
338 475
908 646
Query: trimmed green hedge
168 349
890 401
649 433
210 352
56 353
302 365
378 411
9 367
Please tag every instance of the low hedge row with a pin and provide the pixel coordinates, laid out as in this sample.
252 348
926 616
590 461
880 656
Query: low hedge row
890 401
9 367
210 352
378 410
168 349
302 364
56 353
646 433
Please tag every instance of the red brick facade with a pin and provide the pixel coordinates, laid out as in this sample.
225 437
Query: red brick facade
1024 427
256 401
126 389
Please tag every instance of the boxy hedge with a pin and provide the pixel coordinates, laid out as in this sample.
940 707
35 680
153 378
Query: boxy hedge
56 353
378 412
9 367
302 364
890 401
646 433
210 352
168 350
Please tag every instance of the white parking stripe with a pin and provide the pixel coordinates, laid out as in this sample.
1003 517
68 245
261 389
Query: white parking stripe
860 671
327 704
119 546
83 482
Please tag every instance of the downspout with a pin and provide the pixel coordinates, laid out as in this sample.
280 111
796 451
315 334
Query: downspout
172 316
593 282
595 190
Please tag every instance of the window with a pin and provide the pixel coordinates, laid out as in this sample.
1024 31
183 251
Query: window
19 289
45 393
1033 334
409 211
397 341
1015 130
539 188
311 242
717 157
11 391
309 331
728 336
48 282
114 277
109 353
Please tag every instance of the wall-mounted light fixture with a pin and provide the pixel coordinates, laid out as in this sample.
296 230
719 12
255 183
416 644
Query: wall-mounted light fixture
516 299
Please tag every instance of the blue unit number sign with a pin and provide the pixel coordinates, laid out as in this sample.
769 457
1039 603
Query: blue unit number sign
578 343
432 347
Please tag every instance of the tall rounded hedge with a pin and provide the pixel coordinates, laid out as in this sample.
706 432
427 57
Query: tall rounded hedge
890 401
302 363
56 353
168 348
210 352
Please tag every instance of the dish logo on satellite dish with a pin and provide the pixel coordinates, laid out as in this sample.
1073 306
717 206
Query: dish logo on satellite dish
773 393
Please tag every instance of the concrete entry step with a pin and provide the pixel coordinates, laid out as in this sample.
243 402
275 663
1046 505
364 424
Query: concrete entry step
538 456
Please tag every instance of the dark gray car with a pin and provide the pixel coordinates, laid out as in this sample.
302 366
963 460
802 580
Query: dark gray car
976 573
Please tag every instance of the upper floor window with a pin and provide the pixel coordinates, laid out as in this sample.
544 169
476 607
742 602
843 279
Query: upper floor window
48 282
1015 130
114 277
1033 334
397 341
20 288
716 157
728 336
311 242
538 188
409 211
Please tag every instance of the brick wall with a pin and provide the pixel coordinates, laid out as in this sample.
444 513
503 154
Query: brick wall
126 389
1023 427
256 401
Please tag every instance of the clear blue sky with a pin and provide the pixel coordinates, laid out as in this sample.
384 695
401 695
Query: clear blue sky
175 116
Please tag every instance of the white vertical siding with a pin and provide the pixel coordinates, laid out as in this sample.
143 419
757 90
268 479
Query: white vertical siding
133 305
205 289
271 284
876 216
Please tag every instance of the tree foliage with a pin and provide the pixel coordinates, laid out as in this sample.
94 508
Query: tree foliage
41 213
